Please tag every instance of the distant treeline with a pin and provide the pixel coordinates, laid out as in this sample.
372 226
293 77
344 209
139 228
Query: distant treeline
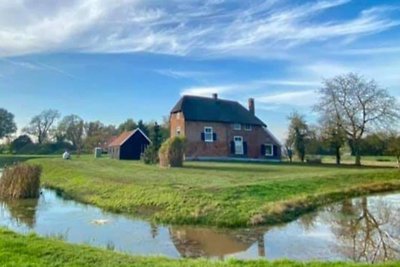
48 133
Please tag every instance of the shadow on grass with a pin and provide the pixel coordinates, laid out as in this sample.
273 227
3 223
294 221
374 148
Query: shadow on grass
260 166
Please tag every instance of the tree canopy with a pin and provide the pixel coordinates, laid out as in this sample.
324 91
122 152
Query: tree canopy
7 124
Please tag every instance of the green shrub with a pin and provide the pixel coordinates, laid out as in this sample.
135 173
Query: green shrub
20 181
172 152
150 155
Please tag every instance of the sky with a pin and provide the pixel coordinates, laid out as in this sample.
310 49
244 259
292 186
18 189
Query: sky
111 60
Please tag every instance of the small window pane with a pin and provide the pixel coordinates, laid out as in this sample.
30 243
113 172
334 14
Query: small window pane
237 126
208 134
269 150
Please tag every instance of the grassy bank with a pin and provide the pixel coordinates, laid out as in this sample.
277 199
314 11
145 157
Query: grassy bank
20 250
223 194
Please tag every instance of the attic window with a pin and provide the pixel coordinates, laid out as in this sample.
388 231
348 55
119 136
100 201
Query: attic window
247 127
237 126
178 115
208 134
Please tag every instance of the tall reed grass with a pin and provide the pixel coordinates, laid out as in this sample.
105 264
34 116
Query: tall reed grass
172 152
20 181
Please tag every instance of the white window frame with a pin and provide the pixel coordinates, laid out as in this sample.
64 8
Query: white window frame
272 150
237 126
248 127
210 133
178 115
178 131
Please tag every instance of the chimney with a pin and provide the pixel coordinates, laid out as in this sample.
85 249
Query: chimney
215 96
251 106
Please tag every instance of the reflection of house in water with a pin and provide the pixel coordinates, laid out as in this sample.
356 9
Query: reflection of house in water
213 243
21 211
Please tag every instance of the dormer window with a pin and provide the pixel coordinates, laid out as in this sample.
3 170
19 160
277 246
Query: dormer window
237 126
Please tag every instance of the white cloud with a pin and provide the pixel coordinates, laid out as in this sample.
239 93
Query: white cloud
178 27
247 88
208 90
305 98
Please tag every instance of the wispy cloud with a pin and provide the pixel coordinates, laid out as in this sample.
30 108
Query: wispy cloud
178 74
254 87
195 28
305 98
36 66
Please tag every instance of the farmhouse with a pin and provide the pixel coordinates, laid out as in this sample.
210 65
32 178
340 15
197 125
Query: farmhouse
218 128
129 145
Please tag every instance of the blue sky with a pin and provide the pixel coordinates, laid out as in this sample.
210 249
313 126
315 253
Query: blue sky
112 60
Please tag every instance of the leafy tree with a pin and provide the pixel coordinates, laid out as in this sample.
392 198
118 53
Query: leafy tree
7 124
97 134
21 142
150 155
128 125
394 148
357 105
334 136
40 125
143 127
72 128
298 133
289 149
374 144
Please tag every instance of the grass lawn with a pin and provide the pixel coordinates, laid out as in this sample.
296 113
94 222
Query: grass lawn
20 250
222 194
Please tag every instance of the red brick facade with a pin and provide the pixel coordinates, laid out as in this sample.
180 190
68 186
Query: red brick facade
224 133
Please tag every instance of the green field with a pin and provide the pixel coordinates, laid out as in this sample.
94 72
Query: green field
20 250
221 194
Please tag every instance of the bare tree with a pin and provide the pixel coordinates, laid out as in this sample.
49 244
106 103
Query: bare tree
41 124
72 129
357 105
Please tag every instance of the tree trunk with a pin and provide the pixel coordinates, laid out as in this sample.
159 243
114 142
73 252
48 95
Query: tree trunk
398 161
338 156
358 159
357 153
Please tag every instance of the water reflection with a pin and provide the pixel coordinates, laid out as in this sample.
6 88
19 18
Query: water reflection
21 212
213 243
364 229
367 231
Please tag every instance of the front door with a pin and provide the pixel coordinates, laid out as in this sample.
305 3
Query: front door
238 145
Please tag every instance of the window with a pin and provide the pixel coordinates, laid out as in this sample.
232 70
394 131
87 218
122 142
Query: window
237 126
247 127
208 134
178 115
178 131
269 150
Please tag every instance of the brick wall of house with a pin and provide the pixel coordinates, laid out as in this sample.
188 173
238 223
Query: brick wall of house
177 120
225 133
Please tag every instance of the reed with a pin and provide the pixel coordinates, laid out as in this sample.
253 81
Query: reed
20 181
172 152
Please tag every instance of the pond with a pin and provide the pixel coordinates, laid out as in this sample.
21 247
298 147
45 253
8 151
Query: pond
363 229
